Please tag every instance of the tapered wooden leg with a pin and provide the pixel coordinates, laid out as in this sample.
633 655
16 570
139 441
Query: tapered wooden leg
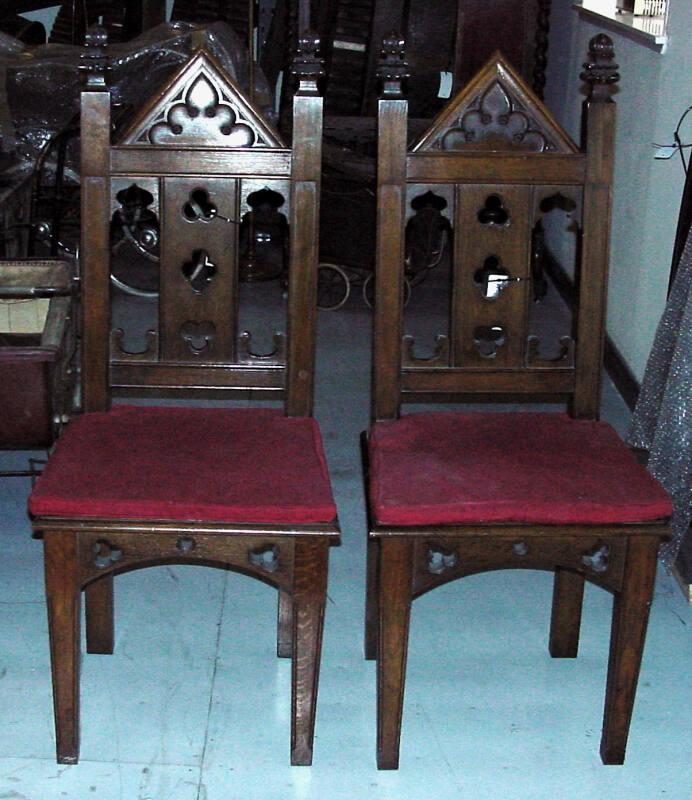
98 607
630 618
63 602
371 599
396 566
284 638
565 621
309 598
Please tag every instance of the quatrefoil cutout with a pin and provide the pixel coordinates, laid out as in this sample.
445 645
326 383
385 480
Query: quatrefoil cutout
202 118
199 271
492 278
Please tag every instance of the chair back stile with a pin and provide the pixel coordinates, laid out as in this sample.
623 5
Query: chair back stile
494 142
304 257
95 243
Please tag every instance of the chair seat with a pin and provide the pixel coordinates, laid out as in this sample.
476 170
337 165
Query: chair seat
542 468
242 465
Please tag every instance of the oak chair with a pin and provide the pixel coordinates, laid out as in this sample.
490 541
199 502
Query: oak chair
454 493
244 489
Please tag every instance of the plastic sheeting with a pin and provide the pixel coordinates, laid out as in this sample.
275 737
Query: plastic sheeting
662 419
41 85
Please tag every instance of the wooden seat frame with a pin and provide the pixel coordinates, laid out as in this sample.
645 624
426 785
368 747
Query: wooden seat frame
399 567
83 554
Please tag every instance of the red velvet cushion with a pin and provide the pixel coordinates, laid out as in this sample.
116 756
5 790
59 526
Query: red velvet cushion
446 468
196 464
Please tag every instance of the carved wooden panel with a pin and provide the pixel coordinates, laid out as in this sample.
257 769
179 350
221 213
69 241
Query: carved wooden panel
198 300
201 106
497 111
491 275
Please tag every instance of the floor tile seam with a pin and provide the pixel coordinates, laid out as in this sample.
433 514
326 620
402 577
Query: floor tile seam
212 685
84 761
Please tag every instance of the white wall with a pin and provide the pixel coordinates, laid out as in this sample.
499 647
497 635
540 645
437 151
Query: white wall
655 89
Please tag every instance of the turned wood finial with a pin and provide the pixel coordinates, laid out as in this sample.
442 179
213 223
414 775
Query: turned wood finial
94 58
392 68
601 71
307 67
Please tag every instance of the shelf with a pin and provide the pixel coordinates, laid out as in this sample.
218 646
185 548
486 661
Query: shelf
649 31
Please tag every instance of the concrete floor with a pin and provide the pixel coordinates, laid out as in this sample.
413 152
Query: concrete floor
194 705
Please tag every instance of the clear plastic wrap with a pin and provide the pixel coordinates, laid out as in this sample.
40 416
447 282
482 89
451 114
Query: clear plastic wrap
42 84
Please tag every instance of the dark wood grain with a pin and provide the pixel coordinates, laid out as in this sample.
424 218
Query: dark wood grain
309 598
630 619
63 602
98 606
565 620
394 615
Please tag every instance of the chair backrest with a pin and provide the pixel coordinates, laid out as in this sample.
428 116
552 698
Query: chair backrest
199 148
498 160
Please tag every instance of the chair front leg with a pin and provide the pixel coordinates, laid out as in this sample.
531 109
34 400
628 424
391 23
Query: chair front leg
284 638
98 606
631 608
309 599
565 620
396 569
372 612
63 602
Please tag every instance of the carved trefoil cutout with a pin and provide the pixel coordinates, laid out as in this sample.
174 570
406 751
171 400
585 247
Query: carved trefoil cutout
202 106
493 212
497 111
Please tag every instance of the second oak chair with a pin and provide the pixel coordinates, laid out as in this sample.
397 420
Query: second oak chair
245 489
451 493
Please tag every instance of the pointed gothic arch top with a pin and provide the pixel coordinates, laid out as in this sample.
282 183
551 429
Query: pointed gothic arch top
496 111
201 106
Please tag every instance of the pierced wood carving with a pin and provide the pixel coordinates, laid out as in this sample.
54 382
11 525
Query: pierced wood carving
202 106
565 356
119 353
439 560
498 120
497 111
199 271
493 212
266 558
489 339
198 336
201 117
492 278
246 355
439 358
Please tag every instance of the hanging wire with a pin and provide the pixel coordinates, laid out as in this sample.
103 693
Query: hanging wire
676 136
